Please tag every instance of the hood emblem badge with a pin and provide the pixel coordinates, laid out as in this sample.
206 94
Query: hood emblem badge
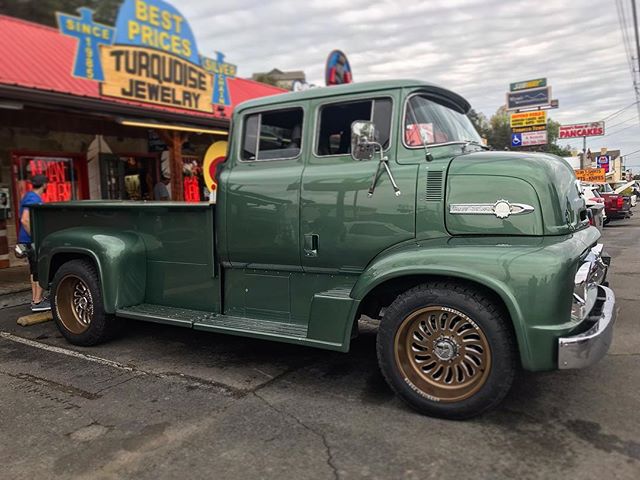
501 209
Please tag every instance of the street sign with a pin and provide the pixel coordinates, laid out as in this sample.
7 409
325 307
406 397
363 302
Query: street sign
533 128
538 82
593 129
527 119
592 175
603 161
516 139
528 139
533 97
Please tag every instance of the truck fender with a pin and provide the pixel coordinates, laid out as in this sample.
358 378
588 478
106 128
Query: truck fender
440 263
119 258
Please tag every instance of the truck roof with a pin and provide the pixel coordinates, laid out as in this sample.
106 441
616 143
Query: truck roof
456 100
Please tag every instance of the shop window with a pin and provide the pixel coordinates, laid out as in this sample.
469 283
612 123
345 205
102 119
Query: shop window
273 135
128 177
334 137
66 176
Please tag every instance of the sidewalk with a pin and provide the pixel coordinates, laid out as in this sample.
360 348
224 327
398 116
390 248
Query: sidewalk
15 288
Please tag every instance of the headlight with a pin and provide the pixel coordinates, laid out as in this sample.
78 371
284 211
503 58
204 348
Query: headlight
585 285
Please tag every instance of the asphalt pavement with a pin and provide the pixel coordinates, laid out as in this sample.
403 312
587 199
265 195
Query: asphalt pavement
165 402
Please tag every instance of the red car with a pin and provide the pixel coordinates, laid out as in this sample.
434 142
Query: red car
616 205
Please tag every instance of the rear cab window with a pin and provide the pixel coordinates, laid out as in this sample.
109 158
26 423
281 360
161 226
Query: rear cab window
272 135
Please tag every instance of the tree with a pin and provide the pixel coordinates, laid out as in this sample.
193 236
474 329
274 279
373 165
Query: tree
499 134
43 11
480 122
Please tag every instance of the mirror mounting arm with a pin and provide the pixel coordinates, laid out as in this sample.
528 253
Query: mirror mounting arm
383 164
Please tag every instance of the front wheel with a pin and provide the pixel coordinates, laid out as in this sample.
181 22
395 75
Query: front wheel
447 350
77 305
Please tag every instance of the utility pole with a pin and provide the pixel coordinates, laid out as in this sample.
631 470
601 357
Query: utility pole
635 31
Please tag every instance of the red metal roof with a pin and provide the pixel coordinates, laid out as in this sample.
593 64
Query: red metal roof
40 57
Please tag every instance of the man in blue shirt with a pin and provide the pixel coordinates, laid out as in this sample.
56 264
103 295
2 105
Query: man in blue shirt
34 197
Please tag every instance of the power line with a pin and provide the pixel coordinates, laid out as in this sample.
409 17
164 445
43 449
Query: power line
614 114
620 130
623 122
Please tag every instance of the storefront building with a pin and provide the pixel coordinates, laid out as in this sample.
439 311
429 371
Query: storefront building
106 113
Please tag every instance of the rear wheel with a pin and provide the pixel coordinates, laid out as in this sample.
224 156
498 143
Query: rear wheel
77 305
447 350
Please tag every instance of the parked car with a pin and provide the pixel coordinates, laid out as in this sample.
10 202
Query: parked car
626 188
595 204
487 263
616 205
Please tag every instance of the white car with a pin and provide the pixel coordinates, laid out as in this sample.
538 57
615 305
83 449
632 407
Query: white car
595 205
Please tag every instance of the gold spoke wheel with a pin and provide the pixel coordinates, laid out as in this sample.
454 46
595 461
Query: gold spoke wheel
74 304
443 353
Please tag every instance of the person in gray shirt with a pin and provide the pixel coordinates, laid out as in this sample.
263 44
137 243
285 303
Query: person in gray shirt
160 191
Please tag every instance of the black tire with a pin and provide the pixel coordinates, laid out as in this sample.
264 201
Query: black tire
466 308
93 325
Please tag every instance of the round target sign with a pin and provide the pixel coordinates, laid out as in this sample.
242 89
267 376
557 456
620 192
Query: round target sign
215 156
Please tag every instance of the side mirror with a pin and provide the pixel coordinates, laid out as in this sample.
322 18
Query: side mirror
364 140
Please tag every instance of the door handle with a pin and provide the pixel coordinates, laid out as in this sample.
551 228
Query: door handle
311 245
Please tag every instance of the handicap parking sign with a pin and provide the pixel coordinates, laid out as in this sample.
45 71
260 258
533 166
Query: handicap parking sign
516 139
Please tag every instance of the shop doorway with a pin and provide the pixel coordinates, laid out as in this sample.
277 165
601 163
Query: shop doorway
128 177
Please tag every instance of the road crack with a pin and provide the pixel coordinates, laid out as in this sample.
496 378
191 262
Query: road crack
329 453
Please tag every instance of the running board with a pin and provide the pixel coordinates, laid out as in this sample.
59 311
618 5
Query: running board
200 320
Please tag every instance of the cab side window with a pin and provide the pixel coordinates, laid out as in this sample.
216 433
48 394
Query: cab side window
275 135
334 137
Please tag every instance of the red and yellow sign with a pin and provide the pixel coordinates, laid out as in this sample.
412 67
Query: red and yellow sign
216 155
528 119
591 175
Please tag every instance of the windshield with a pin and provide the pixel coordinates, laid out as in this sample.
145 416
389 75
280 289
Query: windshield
430 123
605 188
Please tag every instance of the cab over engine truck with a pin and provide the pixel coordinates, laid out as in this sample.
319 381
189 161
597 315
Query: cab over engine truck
373 199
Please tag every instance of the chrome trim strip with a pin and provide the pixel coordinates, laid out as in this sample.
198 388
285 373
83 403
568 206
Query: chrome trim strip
587 348
501 209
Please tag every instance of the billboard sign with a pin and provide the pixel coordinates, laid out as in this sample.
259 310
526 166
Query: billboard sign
603 161
528 119
529 139
150 56
537 83
592 175
531 98
592 129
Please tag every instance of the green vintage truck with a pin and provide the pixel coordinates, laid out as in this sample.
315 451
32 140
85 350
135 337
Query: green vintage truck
374 199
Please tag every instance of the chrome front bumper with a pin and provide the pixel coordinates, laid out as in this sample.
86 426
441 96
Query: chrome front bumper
588 347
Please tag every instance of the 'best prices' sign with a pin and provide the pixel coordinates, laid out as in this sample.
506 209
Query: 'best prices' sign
593 129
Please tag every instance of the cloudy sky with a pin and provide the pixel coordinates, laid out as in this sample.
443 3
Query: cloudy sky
475 47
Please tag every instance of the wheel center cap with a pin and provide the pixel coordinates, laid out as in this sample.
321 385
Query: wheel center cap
445 349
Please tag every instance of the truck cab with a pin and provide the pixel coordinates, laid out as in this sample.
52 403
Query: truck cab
374 199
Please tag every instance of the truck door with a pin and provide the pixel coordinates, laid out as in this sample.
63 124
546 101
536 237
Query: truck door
342 228
261 199
263 191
